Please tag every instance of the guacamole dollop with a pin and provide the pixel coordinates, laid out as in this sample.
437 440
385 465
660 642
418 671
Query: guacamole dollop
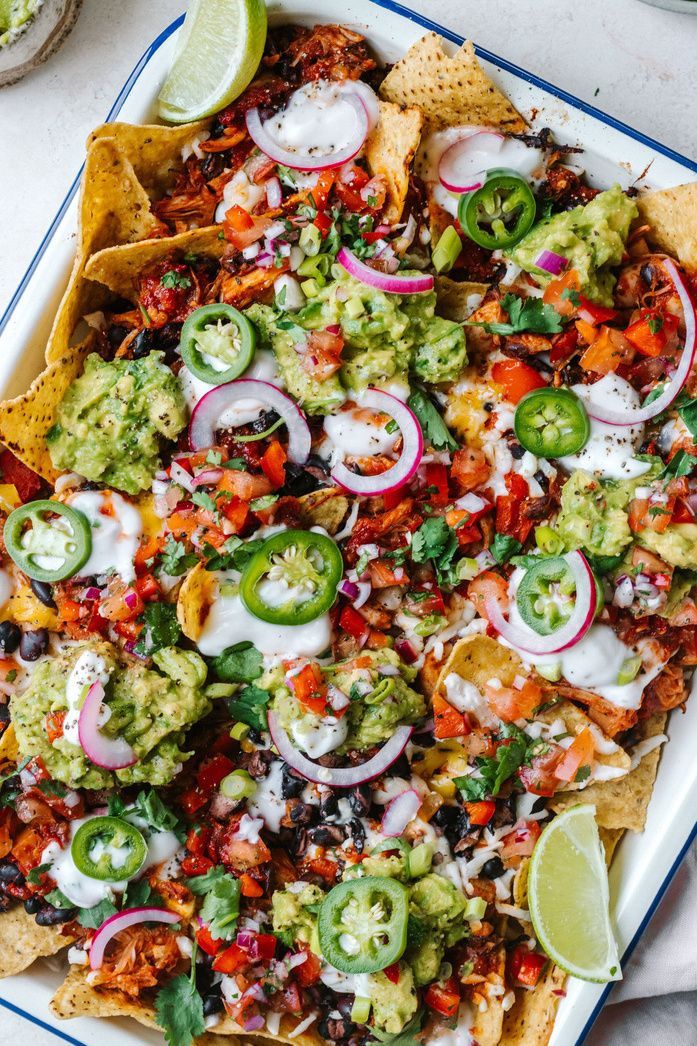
676 545
591 237
15 16
148 708
387 337
112 419
595 513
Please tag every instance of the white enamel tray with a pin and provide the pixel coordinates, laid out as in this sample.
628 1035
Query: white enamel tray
644 864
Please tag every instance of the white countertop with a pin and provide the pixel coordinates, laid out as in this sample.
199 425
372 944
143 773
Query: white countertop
634 61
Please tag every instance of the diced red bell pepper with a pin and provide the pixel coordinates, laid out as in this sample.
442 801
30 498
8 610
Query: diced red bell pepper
310 688
321 191
148 588
353 623
448 721
192 800
196 864
481 813
516 379
145 555
197 840
213 771
273 463
392 498
579 753
206 943
392 973
231 960
236 512
250 887
651 333
443 998
308 972
25 481
437 484
263 947
591 312
322 222
524 966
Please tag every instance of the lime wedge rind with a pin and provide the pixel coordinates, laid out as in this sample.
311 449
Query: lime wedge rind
568 897
217 54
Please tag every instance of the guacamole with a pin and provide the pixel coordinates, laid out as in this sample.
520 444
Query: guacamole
292 917
387 337
379 703
146 707
676 545
595 513
393 1005
591 237
15 16
112 419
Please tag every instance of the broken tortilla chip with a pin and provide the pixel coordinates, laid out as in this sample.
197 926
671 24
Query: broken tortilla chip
611 839
119 268
389 152
672 215
324 508
25 420
531 1018
195 598
450 90
155 152
457 301
9 750
24 941
622 803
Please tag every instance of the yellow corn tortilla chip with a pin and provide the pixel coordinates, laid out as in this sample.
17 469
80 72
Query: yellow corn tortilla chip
195 597
113 208
622 803
450 91
611 839
389 151
325 508
530 1021
9 750
456 301
25 420
672 215
23 941
154 151
119 268
26 609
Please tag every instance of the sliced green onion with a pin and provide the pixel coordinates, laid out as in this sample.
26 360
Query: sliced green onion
238 785
550 672
467 569
310 240
360 1011
310 288
430 625
629 670
216 690
239 731
475 909
318 267
420 860
447 250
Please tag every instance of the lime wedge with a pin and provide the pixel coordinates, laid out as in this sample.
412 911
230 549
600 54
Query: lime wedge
219 49
568 897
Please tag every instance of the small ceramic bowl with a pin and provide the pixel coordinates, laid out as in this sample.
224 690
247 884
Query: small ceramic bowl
41 38
688 7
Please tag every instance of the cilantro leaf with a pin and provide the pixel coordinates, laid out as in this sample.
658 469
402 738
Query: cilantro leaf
503 547
408 1036
432 425
495 771
34 876
52 788
179 1010
241 663
153 811
138 894
116 806
221 907
524 314
175 560
681 464
58 899
202 884
234 554
174 280
249 707
92 918
688 413
161 628
436 541
203 500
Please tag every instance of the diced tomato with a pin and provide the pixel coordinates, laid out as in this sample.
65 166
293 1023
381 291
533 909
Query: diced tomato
509 508
652 332
448 722
243 485
206 942
392 973
592 313
682 513
273 464
310 688
128 630
197 840
510 704
192 800
213 771
437 482
323 867
587 331
231 960
470 469
54 725
561 293
323 222
250 887
488 586
578 754
392 498
26 482
321 191
384 575
196 864
355 624
520 842
609 350
482 812
241 229
516 379
236 512
650 514
308 972
148 588
146 554
564 345
524 966
443 998
70 609
540 777
322 357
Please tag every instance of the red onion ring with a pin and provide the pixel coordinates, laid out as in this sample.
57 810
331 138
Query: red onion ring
672 387
551 262
383 281
399 812
306 162
274 195
462 168
569 634
181 477
368 99
109 753
207 476
208 410
121 921
338 778
409 460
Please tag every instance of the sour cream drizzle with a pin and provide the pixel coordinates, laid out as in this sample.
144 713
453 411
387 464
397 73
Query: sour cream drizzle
318 113
89 668
262 368
610 450
116 526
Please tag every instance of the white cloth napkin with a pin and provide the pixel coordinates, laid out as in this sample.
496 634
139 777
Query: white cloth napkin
656 1003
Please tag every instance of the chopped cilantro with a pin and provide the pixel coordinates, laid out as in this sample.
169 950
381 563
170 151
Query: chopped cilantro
203 500
221 907
493 772
433 427
503 547
249 707
92 918
175 560
173 280
437 542
179 1008
241 663
153 811
524 314
161 628
681 464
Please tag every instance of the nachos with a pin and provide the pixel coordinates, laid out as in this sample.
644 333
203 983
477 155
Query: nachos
348 538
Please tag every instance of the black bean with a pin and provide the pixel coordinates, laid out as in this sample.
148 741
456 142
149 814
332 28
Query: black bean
212 1004
4 713
328 807
115 335
10 635
360 799
142 344
517 451
10 873
50 916
303 813
32 905
292 785
493 868
33 644
44 593
357 834
328 835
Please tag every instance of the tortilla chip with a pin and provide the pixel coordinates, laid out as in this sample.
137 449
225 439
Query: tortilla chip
154 151
610 838
575 720
9 750
389 151
119 268
24 608
24 941
457 301
622 803
478 659
520 884
450 91
672 215
325 508
113 208
195 598
25 420
531 1018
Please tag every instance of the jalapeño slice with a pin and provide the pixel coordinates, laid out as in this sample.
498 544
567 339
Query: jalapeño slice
108 848
500 212
363 924
49 549
551 423
545 595
292 579
222 333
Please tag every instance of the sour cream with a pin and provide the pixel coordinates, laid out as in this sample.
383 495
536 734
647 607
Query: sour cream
116 527
5 587
461 1034
357 433
240 192
229 622
610 450
262 368
465 697
89 668
317 121
268 802
318 735
357 984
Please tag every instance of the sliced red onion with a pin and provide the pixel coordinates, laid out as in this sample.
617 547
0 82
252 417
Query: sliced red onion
181 477
255 1023
244 939
383 281
624 592
364 590
274 230
399 812
570 633
412 449
274 195
673 386
406 651
208 476
484 560
349 589
209 409
307 161
107 752
472 503
463 166
121 921
337 699
551 262
92 593
297 960
331 776
368 99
